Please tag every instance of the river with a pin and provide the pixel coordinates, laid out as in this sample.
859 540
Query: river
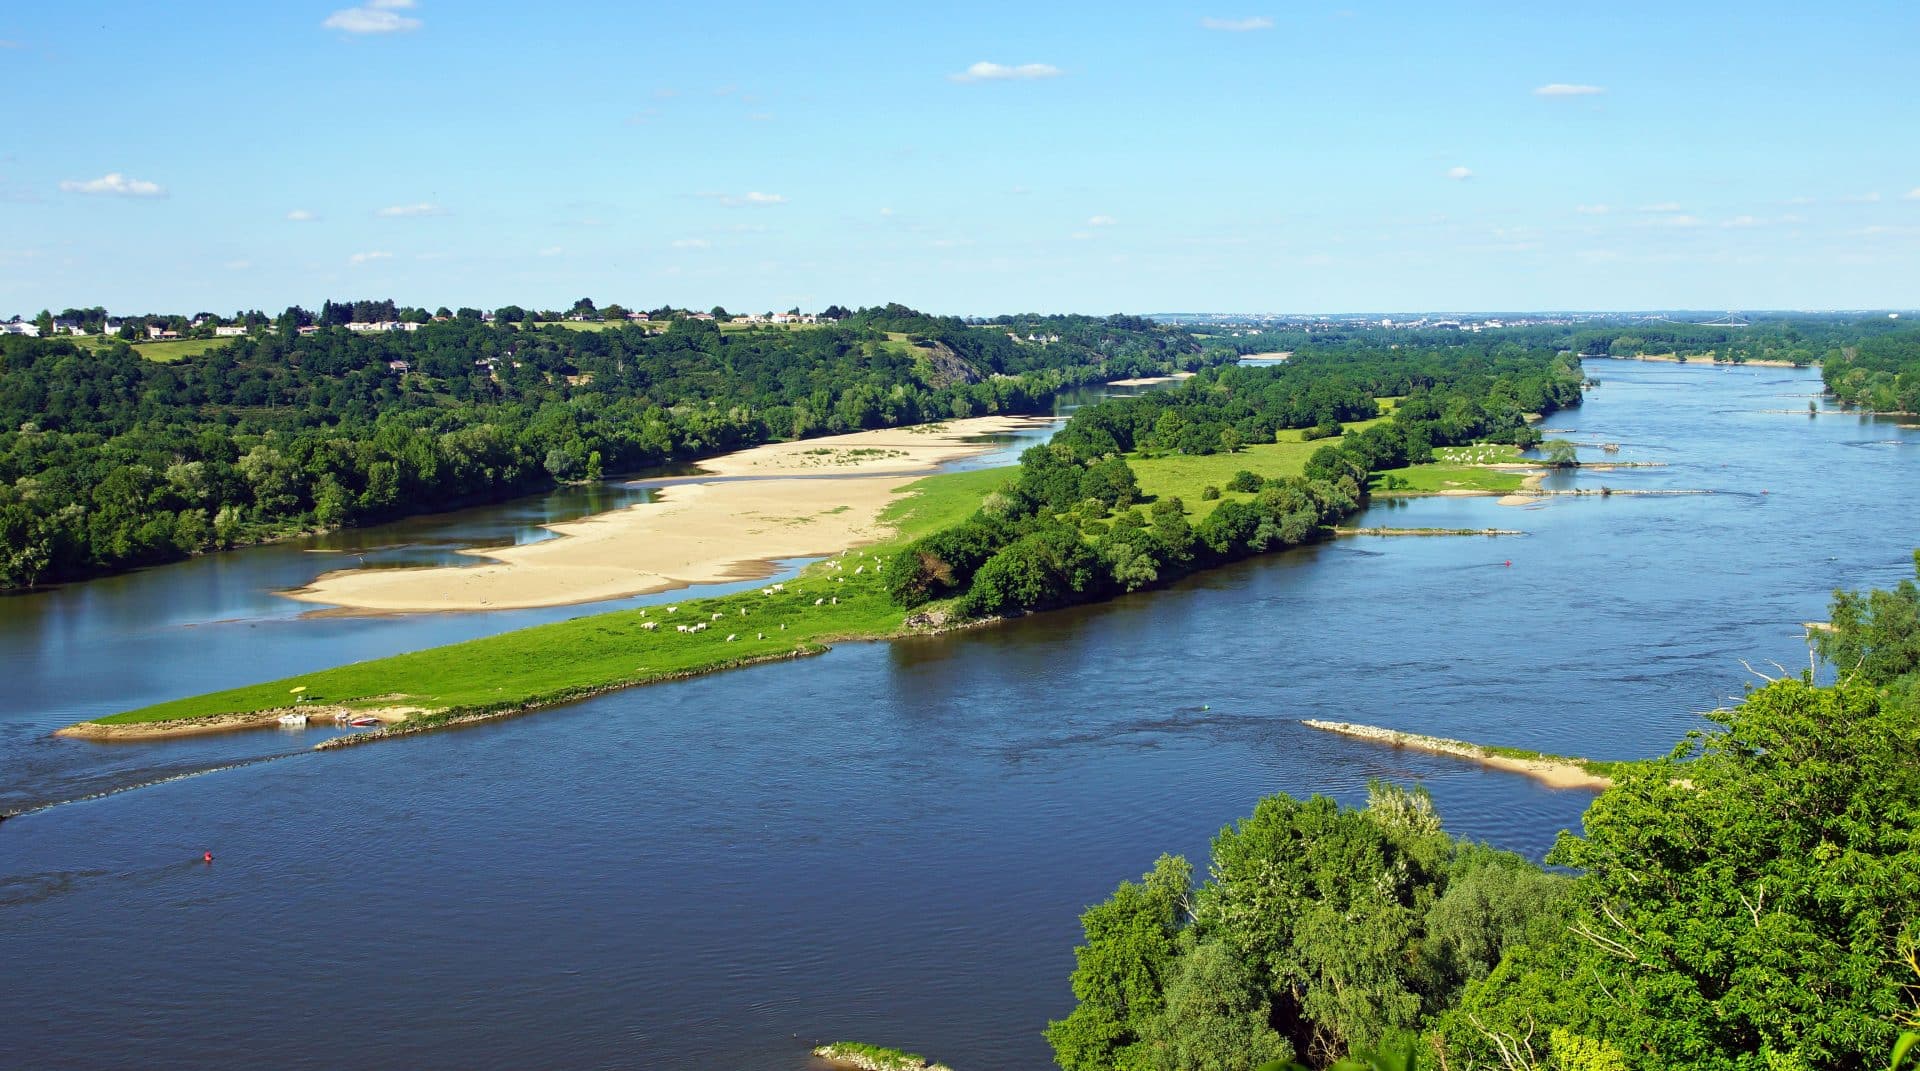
891 842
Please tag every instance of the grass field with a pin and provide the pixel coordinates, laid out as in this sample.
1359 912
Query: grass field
162 352
553 663
1455 468
1186 476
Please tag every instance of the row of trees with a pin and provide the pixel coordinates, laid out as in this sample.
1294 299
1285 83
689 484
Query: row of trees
1750 902
110 461
1066 530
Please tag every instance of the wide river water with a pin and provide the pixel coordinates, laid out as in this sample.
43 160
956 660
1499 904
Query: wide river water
891 842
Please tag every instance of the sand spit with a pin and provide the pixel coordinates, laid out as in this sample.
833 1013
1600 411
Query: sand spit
316 713
1552 771
1426 531
808 498
1148 381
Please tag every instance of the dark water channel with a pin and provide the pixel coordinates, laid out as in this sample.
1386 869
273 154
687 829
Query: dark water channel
890 842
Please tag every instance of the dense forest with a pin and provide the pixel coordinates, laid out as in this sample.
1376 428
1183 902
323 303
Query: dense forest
1750 902
1880 374
1067 528
1799 341
109 461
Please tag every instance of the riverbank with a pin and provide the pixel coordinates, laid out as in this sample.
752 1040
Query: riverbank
1674 358
801 499
1554 771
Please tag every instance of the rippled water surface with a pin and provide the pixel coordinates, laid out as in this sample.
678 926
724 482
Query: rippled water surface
890 842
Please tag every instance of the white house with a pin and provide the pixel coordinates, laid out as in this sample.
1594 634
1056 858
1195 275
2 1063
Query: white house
229 332
20 327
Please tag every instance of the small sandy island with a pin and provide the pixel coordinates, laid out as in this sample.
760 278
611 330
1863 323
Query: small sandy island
1550 770
315 713
806 498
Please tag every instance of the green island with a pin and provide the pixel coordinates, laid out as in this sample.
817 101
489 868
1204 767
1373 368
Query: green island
1260 453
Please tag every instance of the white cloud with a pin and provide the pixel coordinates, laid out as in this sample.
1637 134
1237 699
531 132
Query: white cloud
1566 89
238 265
1742 221
1679 220
301 215
374 16
1101 221
997 72
691 243
1592 210
1459 173
552 251
424 208
1251 22
886 211
756 198
363 258
1862 199
114 184
1911 195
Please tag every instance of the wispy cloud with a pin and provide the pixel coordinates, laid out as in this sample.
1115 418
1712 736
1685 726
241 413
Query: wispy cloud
1243 25
691 243
1738 222
368 258
423 208
1911 195
374 17
1661 206
1568 89
1592 210
552 251
998 72
238 265
752 197
1862 199
1101 221
1459 174
114 184
301 215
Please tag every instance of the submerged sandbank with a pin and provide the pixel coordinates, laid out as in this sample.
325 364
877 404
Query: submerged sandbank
807 498
1554 771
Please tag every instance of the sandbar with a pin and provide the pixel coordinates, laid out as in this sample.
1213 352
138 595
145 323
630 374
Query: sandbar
1148 381
807 498
1551 770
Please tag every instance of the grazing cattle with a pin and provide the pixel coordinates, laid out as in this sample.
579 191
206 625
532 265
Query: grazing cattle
732 636
817 602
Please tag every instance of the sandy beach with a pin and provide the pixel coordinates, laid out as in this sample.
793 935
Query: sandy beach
807 498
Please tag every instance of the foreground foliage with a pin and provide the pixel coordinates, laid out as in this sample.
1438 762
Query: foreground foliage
1747 903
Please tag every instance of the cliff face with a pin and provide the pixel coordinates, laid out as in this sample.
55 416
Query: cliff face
947 368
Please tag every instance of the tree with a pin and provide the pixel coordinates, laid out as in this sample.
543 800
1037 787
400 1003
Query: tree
1122 970
1740 902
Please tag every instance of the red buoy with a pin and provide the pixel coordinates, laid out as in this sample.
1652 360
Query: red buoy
1508 563
208 856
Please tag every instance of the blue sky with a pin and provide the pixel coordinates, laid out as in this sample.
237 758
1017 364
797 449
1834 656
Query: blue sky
977 158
